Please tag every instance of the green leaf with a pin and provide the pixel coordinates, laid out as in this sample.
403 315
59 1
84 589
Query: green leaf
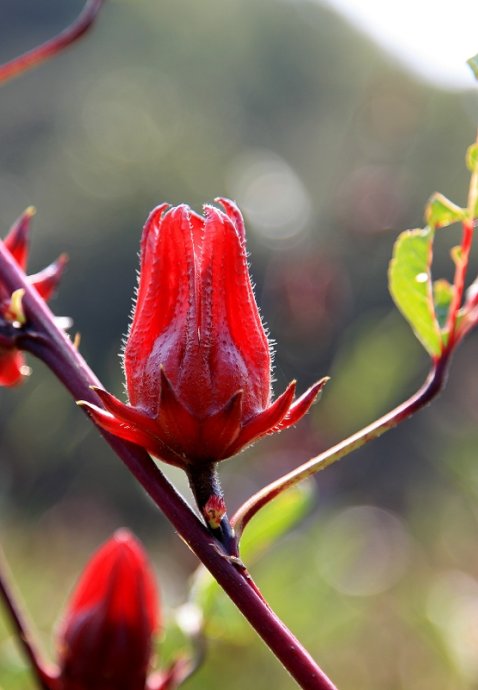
472 157
442 297
473 64
279 516
440 211
410 286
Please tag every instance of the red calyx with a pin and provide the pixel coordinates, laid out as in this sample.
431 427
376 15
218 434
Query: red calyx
197 359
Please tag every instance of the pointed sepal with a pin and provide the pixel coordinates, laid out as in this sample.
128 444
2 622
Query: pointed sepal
266 421
46 281
302 405
18 239
129 432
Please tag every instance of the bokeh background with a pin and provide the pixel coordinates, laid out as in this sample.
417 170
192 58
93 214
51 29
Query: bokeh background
330 148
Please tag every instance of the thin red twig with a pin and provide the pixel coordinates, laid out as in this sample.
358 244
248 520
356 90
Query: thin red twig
432 386
37 55
459 281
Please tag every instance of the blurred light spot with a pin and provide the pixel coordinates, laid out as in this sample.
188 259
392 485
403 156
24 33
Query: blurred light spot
364 551
306 293
189 619
393 113
121 129
370 199
271 194
123 133
421 278
388 119
418 666
453 607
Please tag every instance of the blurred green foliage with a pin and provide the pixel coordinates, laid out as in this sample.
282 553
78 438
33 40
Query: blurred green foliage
331 150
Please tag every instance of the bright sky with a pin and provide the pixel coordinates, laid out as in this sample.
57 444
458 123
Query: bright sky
434 39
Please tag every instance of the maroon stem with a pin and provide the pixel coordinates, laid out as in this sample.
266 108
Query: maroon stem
55 45
204 483
21 628
45 340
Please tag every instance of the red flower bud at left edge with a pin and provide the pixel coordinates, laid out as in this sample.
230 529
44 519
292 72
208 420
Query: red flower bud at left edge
12 362
106 636
197 359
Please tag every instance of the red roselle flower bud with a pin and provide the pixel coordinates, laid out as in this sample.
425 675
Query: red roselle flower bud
106 636
12 362
197 359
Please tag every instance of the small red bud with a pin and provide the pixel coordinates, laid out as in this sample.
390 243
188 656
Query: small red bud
106 636
214 511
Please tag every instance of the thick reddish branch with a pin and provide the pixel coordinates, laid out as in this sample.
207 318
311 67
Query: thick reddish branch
55 45
45 340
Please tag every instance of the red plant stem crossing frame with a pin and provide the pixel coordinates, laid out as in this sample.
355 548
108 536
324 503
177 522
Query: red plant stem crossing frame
48 342
50 48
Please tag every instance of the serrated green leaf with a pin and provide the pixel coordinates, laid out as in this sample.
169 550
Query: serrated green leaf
442 297
472 157
440 211
411 288
473 64
278 517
